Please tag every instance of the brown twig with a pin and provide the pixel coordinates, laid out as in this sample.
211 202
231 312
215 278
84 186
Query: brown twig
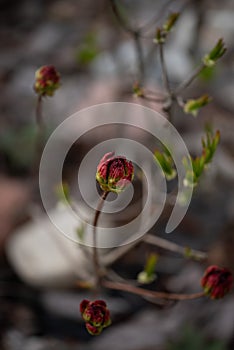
95 252
152 99
148 293
168 105
120 19
190 79
153 21
165 244
136 35
164 69
39 136
39 119
140 56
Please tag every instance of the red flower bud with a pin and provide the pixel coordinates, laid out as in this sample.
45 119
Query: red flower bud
114 173
93 330
46 81
217 282
96 315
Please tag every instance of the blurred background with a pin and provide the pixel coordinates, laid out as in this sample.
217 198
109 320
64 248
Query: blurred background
97 60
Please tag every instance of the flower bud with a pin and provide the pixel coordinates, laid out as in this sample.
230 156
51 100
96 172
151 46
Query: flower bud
47 80
114 173
96 315
217 282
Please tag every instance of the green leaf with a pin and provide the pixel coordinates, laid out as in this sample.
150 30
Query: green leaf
62 191
207 73
159 36
162 33
88 50
148 275
171 21
166 163
209 146
138 90
217 52
80 231
193 106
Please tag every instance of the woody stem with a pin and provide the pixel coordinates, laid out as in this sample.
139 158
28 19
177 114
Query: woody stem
39 136
149 293
96 264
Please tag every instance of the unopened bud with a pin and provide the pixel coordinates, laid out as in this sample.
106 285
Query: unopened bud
96 315
47 80
114 173
217 282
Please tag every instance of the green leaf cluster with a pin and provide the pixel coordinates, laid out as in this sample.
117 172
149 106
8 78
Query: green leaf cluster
209 145
217 52
148 274
193 106
88 50
162 33
138 90
165 160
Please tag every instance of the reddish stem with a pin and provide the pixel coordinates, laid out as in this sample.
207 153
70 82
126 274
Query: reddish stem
148 293
95 252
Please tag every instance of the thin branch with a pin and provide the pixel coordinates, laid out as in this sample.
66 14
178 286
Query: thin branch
95 252
39 119
140 56
148 293
164 69
136 34
39 137
114 276
168 105
118 252
155 19
180 101
152 99
188 81
120 19
165 244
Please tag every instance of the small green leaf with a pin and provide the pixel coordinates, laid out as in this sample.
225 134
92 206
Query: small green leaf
162 33
166 163
151 263
209 145
80 231
88 50
207 73
187 252
144 278
148 275
159 36
171 21
63 192
217 52
193 106
138 90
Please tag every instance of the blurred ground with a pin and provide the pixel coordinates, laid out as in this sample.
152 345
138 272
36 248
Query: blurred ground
97 62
